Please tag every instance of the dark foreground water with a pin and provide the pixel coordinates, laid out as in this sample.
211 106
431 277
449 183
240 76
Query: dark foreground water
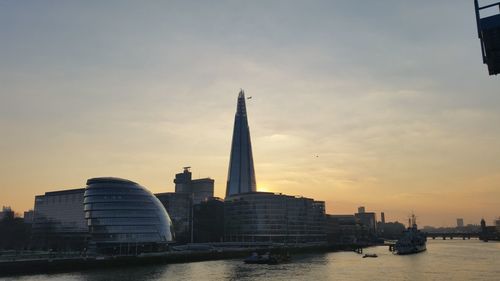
444 260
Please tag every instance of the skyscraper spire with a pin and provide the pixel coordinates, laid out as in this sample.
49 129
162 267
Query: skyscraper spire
241 174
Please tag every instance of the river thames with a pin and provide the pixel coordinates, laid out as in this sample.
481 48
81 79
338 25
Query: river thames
444 260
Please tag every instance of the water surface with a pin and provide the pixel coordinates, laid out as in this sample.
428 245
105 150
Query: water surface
444 260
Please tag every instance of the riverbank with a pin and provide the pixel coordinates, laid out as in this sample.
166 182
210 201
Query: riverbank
49 263
461 260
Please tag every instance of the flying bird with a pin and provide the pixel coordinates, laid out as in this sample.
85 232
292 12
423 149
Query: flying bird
249 97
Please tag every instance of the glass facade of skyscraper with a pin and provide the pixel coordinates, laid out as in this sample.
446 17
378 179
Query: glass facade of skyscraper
241 174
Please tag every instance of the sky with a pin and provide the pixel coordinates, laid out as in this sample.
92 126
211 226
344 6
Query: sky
382 104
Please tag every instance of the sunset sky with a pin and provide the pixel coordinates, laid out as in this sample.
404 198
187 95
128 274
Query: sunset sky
383 104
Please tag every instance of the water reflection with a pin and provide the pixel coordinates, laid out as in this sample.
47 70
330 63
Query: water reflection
138 273
444 260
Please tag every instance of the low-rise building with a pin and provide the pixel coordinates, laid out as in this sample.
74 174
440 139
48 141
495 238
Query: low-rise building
59 221
369 220
343 229
270 217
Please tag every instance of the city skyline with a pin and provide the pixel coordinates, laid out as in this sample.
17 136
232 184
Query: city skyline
139 91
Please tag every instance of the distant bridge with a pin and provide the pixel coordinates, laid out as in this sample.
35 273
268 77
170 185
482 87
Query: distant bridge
452 235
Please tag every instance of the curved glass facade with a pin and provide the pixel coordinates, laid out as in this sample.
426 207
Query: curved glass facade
120 212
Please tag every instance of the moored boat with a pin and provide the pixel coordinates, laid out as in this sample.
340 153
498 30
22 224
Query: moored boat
413 241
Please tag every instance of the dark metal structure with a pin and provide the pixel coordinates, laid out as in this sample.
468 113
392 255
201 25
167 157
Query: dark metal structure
488 29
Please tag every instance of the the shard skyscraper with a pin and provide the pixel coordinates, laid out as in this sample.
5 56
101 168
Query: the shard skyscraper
241 174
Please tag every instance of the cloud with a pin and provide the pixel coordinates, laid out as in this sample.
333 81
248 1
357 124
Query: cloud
397 108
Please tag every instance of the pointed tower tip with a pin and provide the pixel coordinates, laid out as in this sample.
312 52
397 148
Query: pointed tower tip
241 94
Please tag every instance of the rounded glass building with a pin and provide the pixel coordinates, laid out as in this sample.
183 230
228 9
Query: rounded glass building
124 217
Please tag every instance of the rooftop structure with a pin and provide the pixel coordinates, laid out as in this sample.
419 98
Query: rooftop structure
199 189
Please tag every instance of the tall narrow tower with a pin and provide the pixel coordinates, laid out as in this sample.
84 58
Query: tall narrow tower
241 174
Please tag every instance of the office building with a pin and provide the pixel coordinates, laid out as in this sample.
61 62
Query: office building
200 189
179 204
209 221
28 216
460 222
6 213
368 219
179 207
382 217
270 217
241 174
124 217
59 221
343 229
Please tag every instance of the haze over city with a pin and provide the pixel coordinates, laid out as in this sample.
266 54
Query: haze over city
384 105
